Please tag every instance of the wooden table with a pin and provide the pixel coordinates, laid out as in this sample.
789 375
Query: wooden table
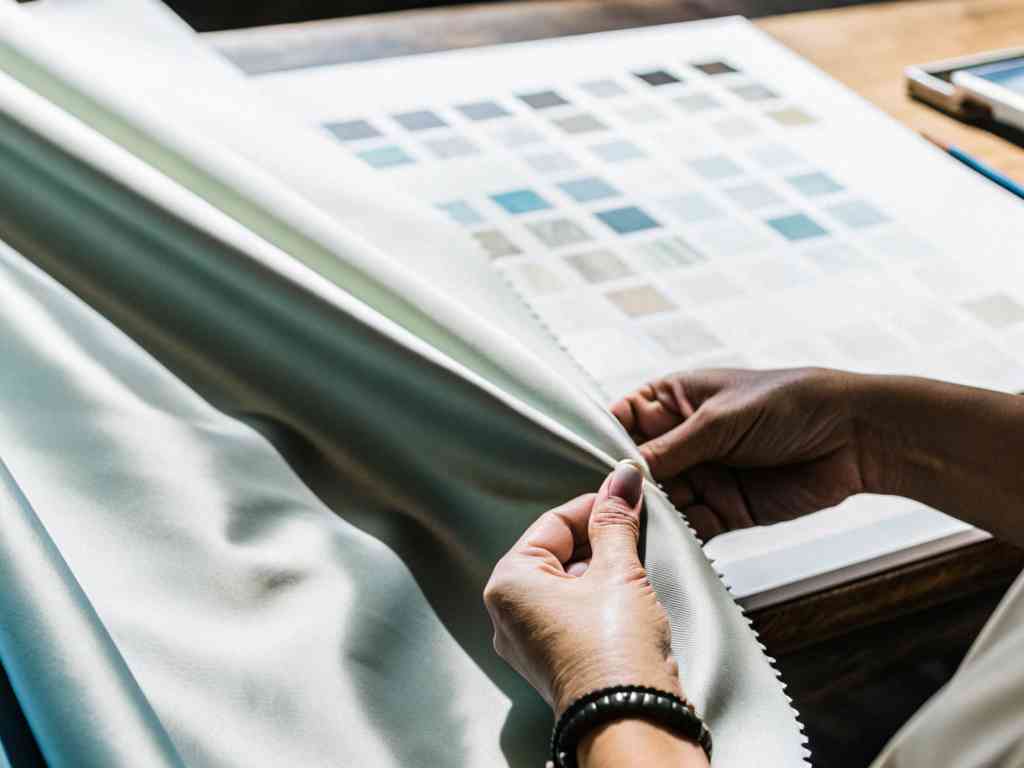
859 658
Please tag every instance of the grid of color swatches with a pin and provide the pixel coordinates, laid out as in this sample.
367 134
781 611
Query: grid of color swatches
669 214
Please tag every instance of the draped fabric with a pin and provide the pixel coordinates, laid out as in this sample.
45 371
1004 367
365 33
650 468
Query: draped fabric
249 498
977 719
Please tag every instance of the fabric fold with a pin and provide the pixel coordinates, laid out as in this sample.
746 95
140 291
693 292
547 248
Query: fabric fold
80 699
298 627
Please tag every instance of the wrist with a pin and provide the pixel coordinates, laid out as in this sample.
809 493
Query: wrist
579 682
879 413
633 741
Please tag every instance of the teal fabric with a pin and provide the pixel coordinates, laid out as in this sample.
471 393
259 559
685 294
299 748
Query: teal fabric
35 577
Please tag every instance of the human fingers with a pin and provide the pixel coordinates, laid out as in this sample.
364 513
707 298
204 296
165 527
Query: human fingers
717 487
560 533
699 439
657 407
647 412
705 523
614 526
578 567
713 499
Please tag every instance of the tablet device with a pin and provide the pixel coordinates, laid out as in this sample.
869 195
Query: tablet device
987 86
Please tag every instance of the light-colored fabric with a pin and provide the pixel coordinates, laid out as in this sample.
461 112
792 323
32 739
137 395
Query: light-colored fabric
977 719
286 570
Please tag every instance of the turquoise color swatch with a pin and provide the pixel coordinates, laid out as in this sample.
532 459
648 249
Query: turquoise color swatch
799 226
462 212
814 184
588 189
521 201
386 157
626 220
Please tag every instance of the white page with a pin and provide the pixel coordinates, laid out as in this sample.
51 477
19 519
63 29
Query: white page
691 264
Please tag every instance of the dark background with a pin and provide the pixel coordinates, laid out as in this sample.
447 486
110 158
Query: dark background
207 15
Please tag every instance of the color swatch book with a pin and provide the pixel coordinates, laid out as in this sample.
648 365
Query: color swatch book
697 195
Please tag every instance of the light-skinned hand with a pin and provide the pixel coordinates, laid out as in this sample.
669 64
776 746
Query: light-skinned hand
571 605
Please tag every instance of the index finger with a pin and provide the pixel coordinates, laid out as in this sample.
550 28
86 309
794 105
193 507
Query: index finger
651 410
561 531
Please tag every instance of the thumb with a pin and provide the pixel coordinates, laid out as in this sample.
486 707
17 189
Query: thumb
614 527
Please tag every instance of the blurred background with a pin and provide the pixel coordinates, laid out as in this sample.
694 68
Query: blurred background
208 15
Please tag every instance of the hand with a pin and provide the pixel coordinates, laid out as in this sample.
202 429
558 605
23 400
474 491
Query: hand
741 448
572 608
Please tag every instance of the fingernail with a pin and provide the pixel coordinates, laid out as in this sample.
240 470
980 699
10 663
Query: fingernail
577 569
627 482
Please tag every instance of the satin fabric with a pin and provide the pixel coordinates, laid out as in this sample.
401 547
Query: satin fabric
255 514
977 719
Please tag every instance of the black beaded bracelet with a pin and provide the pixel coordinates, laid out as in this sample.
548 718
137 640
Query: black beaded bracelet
619 702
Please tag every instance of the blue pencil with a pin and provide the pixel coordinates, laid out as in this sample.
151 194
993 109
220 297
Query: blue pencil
976 165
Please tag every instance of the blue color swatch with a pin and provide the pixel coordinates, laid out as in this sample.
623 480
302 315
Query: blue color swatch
799 226
521 201
386 157
814 184
353 130
462 212
626 220
419 120
588 189
483 110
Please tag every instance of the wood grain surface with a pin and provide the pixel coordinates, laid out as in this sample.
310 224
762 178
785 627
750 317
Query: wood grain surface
795 625
867 49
